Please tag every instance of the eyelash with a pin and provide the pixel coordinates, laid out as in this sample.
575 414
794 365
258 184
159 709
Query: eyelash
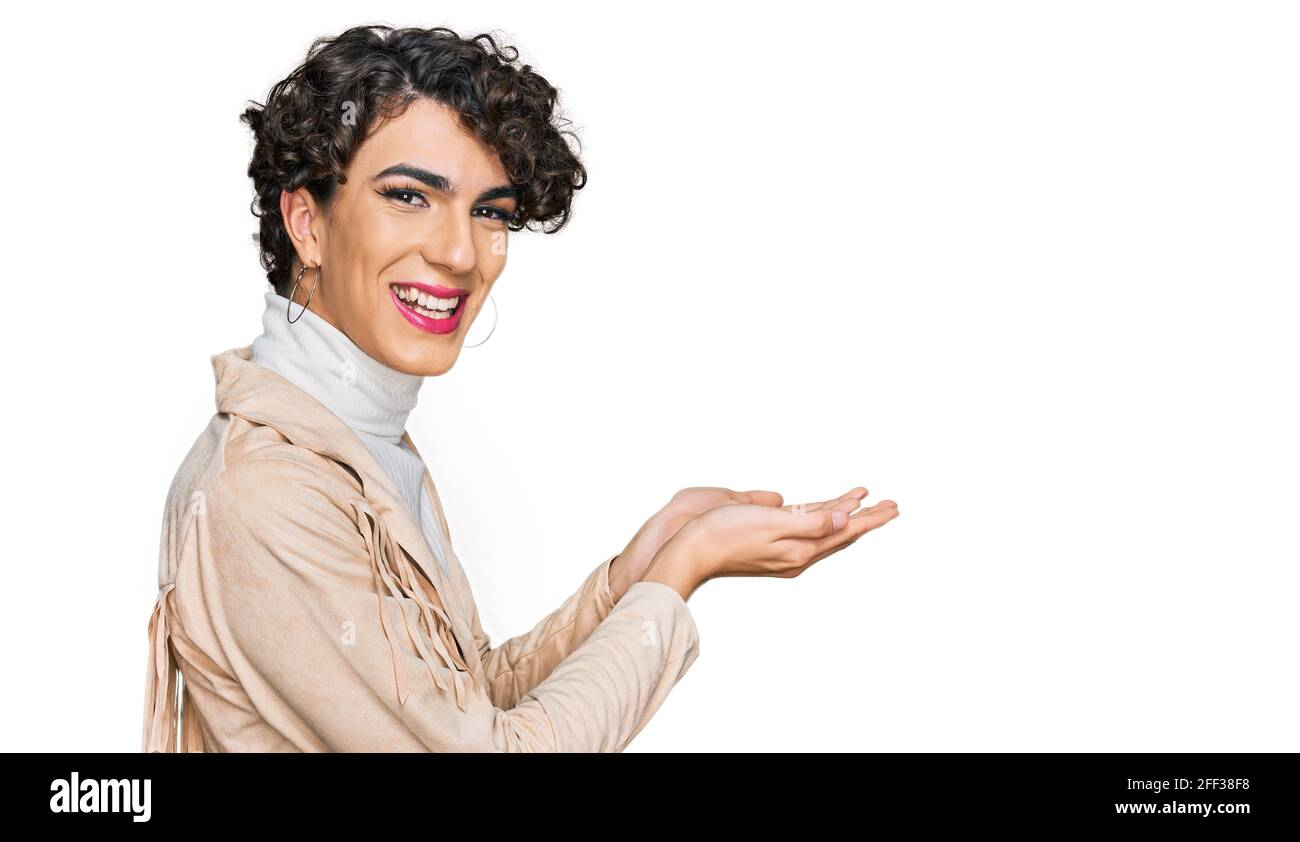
395 192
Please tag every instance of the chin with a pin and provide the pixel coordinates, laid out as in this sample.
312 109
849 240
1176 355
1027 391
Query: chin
423 361
437 370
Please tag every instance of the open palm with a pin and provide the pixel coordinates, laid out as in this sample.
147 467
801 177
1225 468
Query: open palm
690 503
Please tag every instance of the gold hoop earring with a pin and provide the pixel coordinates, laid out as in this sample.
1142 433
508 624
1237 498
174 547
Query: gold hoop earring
294 292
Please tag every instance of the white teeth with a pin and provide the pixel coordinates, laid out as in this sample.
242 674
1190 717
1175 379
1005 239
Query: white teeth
427 305
422 302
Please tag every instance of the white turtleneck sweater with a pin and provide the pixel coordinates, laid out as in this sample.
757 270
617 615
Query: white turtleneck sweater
371 398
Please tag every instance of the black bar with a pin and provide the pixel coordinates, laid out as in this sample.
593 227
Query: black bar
539 793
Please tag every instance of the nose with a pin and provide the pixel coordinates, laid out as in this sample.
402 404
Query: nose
450 242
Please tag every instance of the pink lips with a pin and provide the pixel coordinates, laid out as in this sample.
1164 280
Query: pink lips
426 323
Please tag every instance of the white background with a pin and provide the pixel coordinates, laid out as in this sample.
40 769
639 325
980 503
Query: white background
1029 269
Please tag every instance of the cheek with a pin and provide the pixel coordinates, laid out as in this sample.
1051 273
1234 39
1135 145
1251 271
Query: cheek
498 244
492 248
375 239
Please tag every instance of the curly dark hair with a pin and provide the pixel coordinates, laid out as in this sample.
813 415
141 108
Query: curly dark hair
314 120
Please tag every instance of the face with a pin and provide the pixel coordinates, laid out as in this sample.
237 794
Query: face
419 226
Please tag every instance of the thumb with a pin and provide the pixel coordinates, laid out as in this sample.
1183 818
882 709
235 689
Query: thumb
817 524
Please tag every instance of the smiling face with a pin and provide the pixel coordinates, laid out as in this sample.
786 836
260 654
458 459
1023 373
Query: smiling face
420 224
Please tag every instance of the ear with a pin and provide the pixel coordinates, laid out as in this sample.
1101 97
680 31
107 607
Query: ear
304 224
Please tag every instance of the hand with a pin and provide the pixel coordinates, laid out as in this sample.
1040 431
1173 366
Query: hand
749 540
685 505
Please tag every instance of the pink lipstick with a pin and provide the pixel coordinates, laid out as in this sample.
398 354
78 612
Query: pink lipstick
423 305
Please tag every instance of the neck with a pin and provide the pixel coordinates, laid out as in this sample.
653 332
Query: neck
321 360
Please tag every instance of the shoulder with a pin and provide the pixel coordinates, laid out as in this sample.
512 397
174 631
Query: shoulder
268 516
233 451
278 512
246 479
268 475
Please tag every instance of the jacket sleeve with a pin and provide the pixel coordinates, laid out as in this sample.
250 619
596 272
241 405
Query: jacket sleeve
519 664
338 647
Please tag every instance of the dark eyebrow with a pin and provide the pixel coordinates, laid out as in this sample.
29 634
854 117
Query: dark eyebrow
445 187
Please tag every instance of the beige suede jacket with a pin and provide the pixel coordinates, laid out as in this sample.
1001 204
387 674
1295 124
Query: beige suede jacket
301 609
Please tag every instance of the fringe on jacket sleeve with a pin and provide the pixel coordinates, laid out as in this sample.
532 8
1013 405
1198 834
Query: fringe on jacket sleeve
394 575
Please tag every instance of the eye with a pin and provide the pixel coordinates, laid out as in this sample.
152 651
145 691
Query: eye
407 196
493 212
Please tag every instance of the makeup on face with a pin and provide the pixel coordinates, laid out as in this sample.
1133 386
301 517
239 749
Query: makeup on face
430 307
421 221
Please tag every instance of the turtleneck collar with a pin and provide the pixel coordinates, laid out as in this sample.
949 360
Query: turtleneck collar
321 360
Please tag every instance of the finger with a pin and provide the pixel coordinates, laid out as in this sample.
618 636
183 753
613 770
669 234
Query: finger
848 504
885 510
838 502
860 524
808 525
883 504
759 497
818 548
853 496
